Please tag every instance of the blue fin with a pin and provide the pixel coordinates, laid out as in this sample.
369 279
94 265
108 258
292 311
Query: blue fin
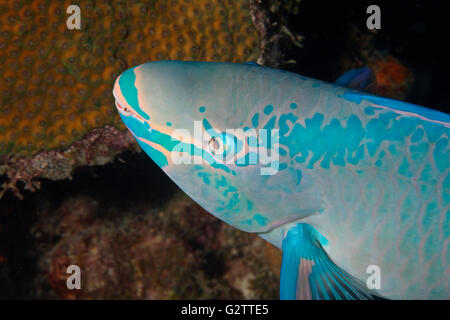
358 79
253 63
308 273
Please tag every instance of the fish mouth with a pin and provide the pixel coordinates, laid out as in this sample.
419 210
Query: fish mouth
121 108
125 109
128 111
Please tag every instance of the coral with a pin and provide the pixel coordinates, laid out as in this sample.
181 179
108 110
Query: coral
56 83
177 251
274 257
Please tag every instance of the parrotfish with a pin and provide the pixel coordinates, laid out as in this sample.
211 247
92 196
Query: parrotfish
354 188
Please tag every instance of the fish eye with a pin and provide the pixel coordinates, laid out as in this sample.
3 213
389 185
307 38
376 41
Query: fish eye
214 145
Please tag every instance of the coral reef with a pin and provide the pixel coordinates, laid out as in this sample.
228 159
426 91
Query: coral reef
393 78
177 251
56 83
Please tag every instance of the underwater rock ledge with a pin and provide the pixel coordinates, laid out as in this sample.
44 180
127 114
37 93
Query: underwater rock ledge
98 147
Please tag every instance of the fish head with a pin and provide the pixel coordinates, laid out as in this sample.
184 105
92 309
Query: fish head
194 120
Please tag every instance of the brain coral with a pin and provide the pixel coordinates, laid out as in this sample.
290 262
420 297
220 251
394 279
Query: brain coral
55 83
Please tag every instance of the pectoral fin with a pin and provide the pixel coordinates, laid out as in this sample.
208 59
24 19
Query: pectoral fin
359 79
308 273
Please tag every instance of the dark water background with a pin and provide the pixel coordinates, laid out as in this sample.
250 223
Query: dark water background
416 32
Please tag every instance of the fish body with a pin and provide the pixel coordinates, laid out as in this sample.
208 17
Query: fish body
369 176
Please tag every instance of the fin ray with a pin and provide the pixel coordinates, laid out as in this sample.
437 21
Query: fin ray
307 272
